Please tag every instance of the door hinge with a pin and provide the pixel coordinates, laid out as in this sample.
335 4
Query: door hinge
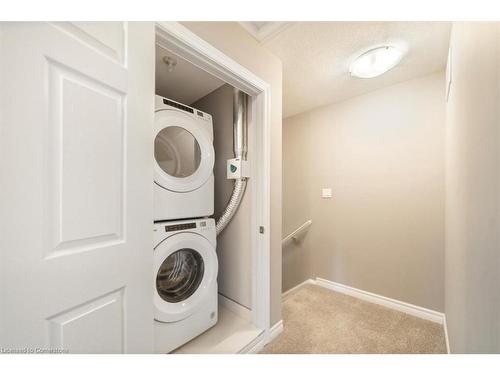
261 229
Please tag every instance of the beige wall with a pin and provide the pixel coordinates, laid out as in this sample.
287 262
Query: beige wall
382 154
472 188
234 41
234 243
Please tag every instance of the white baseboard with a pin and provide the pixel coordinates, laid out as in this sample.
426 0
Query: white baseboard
275 331
290 291
235 307
260 342
419 312
255 346
445 325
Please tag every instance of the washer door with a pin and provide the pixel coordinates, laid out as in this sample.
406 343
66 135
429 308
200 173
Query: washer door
185 272
184 153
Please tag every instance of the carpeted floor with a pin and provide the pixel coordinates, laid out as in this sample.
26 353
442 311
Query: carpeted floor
318 320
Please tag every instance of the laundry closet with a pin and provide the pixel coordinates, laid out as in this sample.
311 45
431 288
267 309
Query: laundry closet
123 202
200 122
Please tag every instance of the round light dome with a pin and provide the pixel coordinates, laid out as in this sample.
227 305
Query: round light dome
375 62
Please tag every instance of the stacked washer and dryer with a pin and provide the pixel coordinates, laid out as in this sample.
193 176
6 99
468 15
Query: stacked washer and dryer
185 258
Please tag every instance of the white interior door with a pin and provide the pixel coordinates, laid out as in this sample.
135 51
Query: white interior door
77 107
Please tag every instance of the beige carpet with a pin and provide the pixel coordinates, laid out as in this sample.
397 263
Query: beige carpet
318 320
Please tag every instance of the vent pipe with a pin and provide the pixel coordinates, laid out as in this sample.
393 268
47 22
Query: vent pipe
240 125
237 168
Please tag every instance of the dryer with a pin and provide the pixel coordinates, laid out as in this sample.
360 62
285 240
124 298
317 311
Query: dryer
184 162
185 281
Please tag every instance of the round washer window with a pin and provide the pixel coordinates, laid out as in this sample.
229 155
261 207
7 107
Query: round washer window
177 151
180 275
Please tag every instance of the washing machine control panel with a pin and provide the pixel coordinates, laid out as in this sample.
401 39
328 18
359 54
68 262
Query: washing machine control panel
204 227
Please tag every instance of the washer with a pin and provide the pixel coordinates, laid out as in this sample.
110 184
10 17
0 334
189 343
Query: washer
185 281
184 162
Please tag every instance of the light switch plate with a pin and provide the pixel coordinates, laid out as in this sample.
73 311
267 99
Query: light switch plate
326 193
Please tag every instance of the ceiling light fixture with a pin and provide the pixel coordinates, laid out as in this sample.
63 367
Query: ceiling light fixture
375 62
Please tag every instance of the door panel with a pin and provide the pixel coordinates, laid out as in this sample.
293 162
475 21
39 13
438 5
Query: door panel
94 327
105 37
87 127
77 106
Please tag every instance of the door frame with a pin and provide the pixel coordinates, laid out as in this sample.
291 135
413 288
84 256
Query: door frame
191 47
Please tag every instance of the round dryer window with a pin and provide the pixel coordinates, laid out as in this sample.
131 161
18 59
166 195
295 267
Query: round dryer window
180 275
177 151
184 151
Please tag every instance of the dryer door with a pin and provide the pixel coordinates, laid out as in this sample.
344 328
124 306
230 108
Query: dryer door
185 272
184 152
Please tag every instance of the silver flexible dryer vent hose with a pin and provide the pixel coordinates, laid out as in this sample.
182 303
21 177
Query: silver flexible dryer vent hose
240 145
231 208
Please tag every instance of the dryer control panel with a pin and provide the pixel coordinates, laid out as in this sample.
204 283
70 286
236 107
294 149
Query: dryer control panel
177 227
193 111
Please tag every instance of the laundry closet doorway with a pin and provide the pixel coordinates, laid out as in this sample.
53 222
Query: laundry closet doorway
188 46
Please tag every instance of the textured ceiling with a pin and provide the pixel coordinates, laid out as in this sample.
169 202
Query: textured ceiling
264 30
186 83
316 58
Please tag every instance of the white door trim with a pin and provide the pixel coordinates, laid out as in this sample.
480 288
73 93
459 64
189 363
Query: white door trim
180 40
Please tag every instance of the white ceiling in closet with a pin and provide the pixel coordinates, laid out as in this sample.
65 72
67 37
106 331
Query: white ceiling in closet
184 82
